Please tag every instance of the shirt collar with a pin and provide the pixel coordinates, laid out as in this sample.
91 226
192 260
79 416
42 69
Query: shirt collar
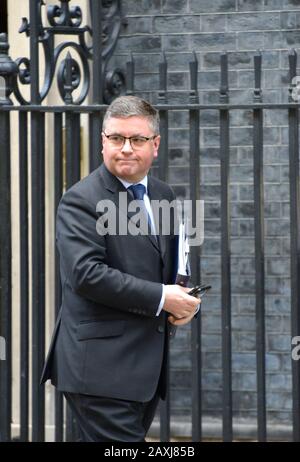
143 181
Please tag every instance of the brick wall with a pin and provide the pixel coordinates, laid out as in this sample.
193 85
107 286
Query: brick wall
179 27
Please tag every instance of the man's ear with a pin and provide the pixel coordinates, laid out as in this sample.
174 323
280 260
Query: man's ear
156 143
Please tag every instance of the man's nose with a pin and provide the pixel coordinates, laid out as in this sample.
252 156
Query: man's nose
127 146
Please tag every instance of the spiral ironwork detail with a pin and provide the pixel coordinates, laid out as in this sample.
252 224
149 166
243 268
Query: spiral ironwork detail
65 19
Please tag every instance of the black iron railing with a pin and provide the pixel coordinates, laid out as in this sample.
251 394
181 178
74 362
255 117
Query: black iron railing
67 118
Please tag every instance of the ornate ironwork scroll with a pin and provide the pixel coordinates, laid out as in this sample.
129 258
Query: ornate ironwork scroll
8 70
65 19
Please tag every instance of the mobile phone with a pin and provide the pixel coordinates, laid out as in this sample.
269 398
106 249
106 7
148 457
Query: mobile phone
199 290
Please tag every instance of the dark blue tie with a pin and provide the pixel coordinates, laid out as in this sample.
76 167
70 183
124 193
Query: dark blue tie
138 191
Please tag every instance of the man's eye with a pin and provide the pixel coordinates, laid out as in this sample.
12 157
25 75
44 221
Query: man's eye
116 138
138 140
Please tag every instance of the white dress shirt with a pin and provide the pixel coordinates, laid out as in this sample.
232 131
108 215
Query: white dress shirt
144 182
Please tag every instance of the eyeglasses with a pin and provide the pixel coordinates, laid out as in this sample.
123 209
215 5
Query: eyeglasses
136 142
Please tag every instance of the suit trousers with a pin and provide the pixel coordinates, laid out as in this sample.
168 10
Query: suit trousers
102 419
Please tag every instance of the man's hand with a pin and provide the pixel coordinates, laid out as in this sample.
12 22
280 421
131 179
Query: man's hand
181 305
180 322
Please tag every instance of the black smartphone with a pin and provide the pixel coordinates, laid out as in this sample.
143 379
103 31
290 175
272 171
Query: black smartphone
197 291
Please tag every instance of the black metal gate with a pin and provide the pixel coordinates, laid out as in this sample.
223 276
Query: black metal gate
32 115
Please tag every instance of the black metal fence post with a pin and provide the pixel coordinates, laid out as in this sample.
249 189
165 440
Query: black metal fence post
24 277
130 68
163 159
194 121
98 85
225 254
58 189
259 253
7 72
38 232
165 406
295 240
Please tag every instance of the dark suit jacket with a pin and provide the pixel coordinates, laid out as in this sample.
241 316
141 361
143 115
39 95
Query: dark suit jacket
108 340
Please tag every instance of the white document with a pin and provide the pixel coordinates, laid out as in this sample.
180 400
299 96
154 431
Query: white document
183 264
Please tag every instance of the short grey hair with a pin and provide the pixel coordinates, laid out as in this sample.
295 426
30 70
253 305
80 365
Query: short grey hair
129 106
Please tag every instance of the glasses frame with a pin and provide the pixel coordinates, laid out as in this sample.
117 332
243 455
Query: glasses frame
146 138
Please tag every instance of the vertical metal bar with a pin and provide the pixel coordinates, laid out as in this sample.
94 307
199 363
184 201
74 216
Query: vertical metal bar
95 143
73 141
163 159
8 70
96 17
68 80
165 406
34 11
259 254
194 117
95 117
38 232
58 188
5 281
225 255
164 122
130 76
24 278
295 259
72 176
38 272
293 117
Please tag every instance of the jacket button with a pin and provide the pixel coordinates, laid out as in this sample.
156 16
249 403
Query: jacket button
160 329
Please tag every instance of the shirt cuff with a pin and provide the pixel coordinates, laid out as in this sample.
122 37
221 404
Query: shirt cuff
162 300
197 309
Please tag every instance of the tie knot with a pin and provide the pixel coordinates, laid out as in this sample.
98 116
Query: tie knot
138 191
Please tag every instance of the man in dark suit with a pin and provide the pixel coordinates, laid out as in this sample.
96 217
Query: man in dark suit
108 353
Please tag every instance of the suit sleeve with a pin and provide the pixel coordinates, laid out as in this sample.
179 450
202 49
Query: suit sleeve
83 257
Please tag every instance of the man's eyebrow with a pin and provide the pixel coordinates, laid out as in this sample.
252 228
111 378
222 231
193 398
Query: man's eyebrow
132 136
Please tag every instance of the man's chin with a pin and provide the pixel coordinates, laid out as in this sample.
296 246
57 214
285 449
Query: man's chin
128 173
126 170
